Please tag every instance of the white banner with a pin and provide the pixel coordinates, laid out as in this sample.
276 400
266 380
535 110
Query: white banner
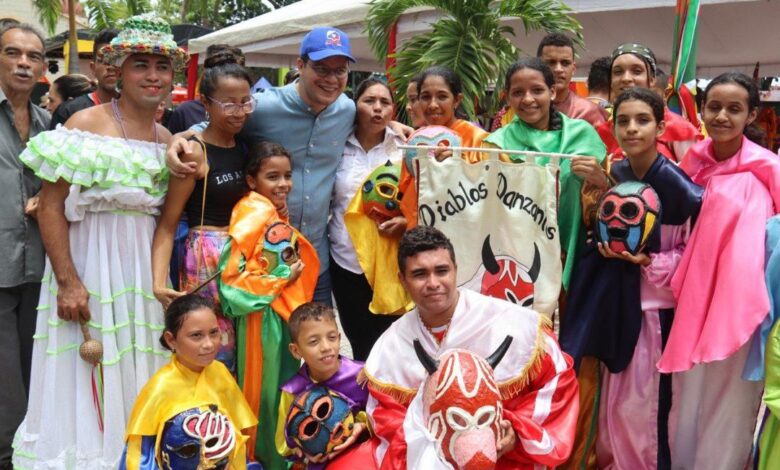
502 219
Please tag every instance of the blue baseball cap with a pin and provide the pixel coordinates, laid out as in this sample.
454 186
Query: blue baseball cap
321 43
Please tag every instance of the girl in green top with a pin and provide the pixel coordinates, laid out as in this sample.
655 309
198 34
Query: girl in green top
538 127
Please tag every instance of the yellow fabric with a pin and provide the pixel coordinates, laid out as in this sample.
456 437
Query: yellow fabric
285 402
176 388
133 456
378 257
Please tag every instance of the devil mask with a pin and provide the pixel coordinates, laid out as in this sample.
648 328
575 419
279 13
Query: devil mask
506 278
429 135
628 215
319 420
381 198
462 405
280 245
196 439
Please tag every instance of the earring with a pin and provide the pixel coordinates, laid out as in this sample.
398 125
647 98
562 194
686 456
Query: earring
208 118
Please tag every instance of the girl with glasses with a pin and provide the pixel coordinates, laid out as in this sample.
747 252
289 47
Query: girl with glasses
208 196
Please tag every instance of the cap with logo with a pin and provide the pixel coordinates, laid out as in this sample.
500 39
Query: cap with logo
324 42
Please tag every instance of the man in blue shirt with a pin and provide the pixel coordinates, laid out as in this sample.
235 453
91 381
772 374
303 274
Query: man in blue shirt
311 118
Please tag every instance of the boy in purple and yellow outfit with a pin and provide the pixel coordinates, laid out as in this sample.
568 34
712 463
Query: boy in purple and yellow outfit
317 341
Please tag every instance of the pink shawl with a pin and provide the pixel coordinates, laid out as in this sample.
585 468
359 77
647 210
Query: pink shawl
719 285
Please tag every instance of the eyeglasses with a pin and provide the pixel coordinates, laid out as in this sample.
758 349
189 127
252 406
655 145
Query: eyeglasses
231 109
323 71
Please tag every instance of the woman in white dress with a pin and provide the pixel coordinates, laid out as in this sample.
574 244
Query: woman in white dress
104 179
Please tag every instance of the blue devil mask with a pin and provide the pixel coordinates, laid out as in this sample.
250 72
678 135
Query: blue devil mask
319 420
197 439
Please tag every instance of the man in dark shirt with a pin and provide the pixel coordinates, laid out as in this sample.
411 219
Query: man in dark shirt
22 63
106 89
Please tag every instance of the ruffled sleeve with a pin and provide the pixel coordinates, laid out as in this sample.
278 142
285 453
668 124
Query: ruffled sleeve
90 160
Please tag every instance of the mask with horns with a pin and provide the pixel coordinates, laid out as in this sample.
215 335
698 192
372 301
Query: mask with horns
462 405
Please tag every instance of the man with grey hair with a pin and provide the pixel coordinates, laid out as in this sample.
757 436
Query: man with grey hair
22 63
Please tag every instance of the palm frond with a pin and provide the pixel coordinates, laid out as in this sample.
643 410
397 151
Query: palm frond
543 15
137 7
468 38
103 14
49 12
384 13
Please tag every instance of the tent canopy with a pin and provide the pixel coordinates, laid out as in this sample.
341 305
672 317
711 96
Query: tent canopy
734 34
261 84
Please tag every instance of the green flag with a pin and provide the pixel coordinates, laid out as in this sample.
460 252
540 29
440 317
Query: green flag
686 38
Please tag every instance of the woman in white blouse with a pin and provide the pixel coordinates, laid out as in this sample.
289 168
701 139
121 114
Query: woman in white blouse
371 144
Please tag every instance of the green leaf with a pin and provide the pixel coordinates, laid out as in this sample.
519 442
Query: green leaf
49 12
469 38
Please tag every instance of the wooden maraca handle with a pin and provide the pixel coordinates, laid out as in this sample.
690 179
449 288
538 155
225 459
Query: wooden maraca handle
85 330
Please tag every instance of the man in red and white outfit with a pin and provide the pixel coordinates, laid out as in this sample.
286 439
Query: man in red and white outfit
537 384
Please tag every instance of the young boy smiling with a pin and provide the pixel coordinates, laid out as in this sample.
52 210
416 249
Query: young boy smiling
316 340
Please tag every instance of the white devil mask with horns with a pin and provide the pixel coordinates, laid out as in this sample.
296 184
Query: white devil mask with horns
462 405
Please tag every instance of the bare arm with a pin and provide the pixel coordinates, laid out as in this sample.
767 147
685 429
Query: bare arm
179 155
401 129
179 191
72 296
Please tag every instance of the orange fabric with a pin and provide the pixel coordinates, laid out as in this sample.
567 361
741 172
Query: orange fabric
583 455
251 217
253 382
470 136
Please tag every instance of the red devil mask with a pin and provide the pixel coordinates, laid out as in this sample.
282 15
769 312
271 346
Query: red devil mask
462 405
507 279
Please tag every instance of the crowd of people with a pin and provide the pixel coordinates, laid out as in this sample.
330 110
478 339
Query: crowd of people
205 258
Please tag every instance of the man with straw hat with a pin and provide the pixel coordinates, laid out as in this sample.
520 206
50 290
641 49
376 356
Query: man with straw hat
104 180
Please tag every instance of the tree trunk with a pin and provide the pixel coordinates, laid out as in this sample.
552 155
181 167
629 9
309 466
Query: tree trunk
185 6
73 41
215 12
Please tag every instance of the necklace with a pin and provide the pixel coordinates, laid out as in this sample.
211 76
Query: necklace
439 332
118 117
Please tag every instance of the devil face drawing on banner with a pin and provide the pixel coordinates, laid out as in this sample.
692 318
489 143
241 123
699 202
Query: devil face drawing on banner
462 405
434 136
503 277
280 245
628 215
319 420
197 440
381 197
